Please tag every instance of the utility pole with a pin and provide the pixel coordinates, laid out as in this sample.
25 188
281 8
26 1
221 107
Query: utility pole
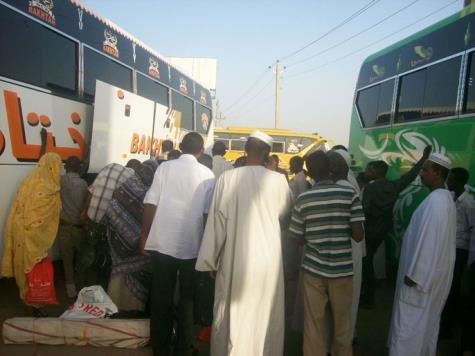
219 118
277 94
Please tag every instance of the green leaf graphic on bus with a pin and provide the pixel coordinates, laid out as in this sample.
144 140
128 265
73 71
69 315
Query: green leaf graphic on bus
466 37
379 70
424 53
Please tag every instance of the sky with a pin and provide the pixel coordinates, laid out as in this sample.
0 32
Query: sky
248 36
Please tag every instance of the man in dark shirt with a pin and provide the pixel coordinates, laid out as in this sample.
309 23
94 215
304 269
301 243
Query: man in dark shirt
71 234
378 201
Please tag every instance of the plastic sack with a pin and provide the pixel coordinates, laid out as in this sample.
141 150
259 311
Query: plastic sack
92 302
41 284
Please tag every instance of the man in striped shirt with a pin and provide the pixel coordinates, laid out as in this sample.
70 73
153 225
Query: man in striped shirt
326 218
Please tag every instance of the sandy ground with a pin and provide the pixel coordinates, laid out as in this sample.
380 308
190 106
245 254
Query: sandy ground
372 329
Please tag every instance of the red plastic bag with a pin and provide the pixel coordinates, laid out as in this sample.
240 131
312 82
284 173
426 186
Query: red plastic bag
41 284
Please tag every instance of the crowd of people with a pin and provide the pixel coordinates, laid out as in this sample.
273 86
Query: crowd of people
187 238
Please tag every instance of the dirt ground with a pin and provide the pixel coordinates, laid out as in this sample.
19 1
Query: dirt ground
372 329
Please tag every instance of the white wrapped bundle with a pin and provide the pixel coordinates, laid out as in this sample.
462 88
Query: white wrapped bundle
122 333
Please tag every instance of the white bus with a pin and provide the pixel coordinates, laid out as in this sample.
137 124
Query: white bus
101 94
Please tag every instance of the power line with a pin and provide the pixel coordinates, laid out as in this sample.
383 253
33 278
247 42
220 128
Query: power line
333 29
353 36
259 103
371 44
255 95
248 91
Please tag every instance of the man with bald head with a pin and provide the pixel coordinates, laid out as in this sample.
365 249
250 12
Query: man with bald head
242 248
426 266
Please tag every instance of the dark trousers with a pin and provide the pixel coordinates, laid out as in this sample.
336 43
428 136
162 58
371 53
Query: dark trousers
204 299
164 277
369 281
468 326
450 310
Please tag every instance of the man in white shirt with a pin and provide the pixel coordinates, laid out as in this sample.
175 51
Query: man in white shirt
172 229
220 165
465 207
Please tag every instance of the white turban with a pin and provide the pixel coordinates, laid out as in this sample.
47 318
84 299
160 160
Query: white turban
262 137
441 160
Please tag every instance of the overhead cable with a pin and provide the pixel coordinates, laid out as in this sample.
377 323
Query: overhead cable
371 44
353 36
249 90
333 29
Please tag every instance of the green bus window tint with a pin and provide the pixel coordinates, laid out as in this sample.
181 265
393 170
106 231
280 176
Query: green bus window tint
411 97
374 104
185 106
440 94
367 105
226 142
34 54
98 66
238 145
203 119
429 93
469 102
152 90
385 102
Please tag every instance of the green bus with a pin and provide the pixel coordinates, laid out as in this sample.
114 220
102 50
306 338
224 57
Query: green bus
419 91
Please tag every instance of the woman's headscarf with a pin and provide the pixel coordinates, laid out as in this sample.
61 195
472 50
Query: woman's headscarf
33 220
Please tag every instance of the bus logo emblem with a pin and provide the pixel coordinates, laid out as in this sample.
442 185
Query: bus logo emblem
204 121
425 54
153 68
183 86
203 97
42 9
110 43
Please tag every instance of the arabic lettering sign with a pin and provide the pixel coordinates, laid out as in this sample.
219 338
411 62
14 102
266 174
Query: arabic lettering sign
24 112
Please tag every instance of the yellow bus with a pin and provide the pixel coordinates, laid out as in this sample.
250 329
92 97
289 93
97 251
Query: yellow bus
286 144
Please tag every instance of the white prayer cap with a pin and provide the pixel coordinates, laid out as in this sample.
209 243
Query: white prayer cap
345 155
262 137
441 160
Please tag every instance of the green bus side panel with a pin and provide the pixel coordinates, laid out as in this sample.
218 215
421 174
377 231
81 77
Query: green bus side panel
400 147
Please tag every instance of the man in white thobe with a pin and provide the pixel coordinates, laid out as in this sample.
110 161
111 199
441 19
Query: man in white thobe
242 242
425 266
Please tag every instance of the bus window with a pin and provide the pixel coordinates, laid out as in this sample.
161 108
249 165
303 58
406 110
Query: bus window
385 102
440 94
226 142
469 102
429 93
278 147
152 90
185 106
98 66
374 104
238 145
411 96
36 55
203 119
